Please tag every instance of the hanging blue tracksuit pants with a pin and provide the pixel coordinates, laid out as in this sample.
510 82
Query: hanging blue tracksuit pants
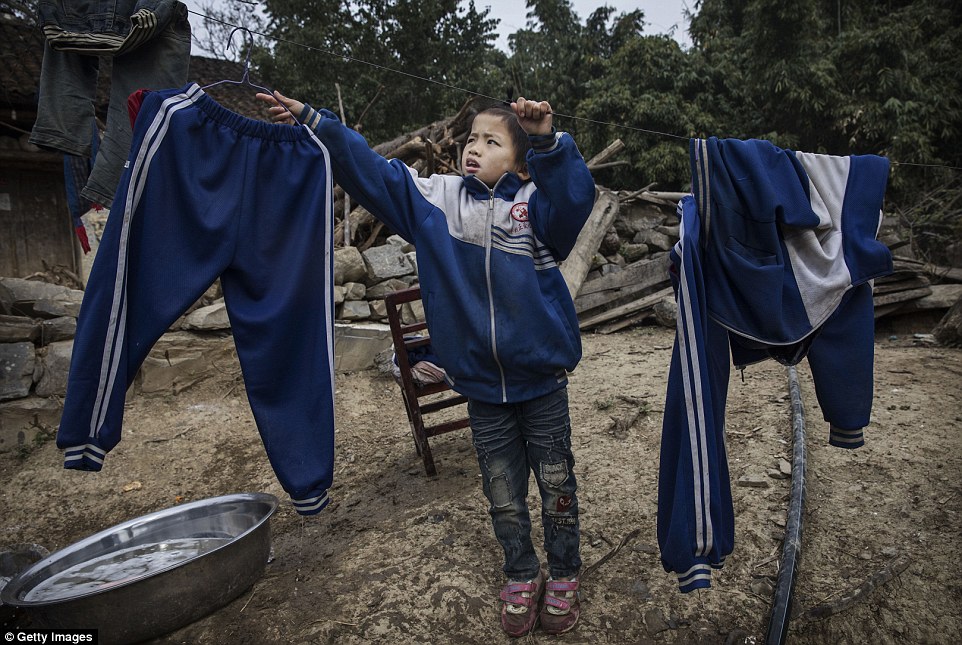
208 193
775 257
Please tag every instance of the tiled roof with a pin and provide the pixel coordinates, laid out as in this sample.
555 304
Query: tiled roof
21 56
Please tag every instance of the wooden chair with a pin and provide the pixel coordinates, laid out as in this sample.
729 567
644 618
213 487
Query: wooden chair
411 391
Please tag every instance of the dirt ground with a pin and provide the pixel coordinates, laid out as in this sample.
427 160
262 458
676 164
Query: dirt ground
400 557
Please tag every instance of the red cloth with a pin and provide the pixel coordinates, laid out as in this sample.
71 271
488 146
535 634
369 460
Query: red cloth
134 101
82 236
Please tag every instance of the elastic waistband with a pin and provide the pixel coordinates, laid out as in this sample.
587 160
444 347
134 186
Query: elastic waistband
243 124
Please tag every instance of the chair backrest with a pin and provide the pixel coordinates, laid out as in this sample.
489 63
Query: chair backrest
411 391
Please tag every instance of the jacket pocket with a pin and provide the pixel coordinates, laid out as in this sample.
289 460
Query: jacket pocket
753 256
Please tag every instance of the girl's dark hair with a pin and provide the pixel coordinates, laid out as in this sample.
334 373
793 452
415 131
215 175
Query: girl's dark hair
519 138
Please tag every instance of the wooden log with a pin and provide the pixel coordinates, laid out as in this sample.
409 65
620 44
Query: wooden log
903 283
901 296
896 244
609 164
346 208
576 265
633 307
360 119
408 150
594 303
621 323
901 274
941 273
634 281
656 198
606 155
632 196
434 131
944 273
943 296
667 196
907 264
360 218
429 162
642 272
457 125
369 242
886 310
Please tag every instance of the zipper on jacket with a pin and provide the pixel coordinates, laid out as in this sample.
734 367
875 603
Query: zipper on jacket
487 277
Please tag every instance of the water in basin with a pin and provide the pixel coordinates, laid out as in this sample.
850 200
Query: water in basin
118 567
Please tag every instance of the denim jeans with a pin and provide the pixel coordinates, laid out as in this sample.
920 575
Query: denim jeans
512 440
68 87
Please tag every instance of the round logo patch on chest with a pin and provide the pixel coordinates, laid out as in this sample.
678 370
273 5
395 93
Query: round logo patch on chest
519 212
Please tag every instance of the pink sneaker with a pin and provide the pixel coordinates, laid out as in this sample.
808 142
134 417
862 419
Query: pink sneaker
522 600
562 606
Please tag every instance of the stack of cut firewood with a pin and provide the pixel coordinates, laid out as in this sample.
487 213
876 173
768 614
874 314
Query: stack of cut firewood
627 297
642 291
916 286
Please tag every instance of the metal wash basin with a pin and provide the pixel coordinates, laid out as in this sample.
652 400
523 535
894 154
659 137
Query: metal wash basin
150 575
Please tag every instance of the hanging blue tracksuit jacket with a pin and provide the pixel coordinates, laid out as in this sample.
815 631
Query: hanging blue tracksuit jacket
208 193
487 258
775 257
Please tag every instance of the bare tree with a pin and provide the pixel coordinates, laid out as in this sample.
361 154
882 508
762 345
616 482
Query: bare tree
220 18
24 10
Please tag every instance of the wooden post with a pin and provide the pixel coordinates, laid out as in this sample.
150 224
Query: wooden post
575 267
347 198
605 155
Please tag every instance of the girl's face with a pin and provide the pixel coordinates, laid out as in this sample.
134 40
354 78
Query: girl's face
489 151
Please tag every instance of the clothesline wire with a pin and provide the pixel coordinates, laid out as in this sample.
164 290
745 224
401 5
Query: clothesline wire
424 78
475 93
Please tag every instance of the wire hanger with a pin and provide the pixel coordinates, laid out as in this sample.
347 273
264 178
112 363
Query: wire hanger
245 78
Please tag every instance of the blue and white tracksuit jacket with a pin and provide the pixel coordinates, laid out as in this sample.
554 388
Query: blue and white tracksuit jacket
775 258
502 322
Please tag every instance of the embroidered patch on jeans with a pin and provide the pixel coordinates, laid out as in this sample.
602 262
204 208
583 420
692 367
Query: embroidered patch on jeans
564 504
554 474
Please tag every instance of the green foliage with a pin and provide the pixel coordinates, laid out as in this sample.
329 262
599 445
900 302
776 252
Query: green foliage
320 45
853 77
547 55
832 76
903 89
643 84
24 10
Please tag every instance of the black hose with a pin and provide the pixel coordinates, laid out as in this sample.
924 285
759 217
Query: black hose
792 545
